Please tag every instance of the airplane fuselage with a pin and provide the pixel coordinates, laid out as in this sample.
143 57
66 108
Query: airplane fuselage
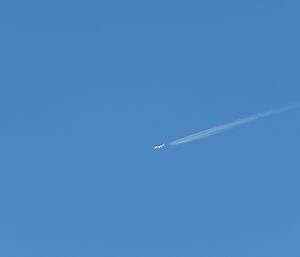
159 146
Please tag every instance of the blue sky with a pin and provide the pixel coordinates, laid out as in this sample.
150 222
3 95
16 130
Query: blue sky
87 88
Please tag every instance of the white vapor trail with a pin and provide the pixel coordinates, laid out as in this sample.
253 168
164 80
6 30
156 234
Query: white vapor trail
231 125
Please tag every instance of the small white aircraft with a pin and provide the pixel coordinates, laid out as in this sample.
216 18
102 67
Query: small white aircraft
159 146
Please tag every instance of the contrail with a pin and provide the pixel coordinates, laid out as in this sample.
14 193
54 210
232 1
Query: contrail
231 125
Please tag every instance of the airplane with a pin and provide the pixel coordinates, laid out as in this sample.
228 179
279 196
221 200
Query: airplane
159 146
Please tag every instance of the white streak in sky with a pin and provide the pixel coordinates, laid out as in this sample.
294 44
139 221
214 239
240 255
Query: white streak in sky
231 125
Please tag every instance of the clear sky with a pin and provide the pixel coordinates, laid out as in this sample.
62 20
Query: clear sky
87 88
